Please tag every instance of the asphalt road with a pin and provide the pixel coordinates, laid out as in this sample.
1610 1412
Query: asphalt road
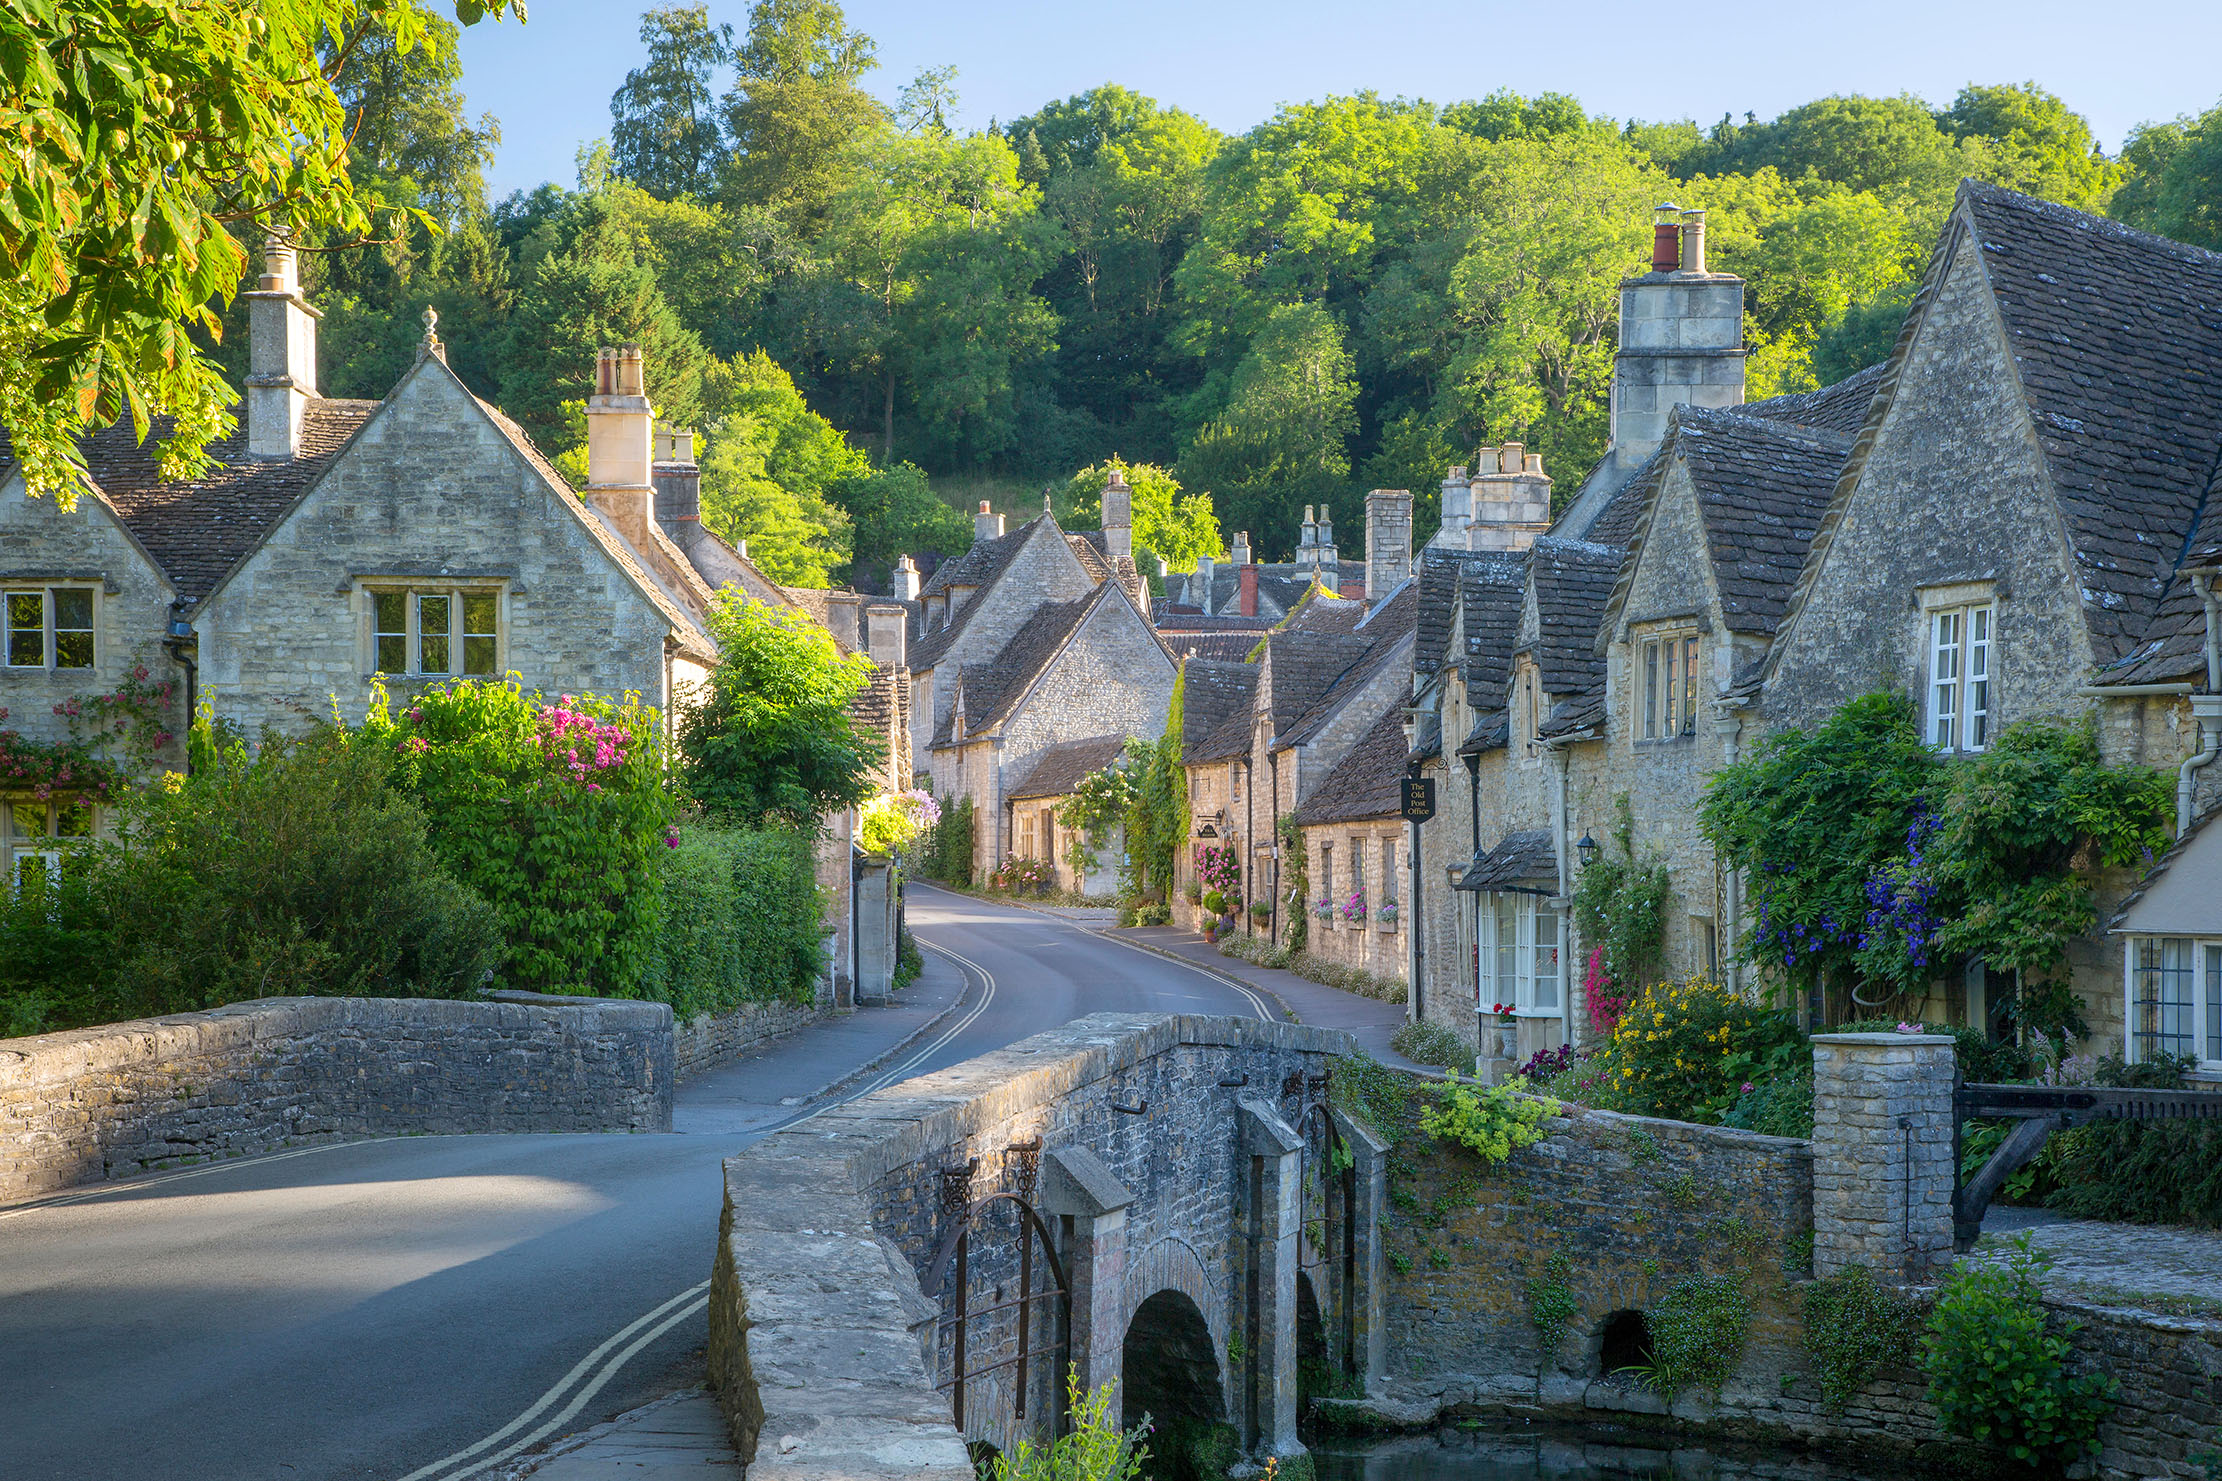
426 1307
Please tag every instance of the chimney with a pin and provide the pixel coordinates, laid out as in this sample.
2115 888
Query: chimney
678 483
621 444
1206 569
1307 543
1118 516
281 356
1249 577
1388 540
1326 545
886 634
1681 338
986 523
1457 511
1511 499
1242 549
906 579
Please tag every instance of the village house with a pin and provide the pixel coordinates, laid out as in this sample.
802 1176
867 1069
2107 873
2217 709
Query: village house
1355 837
1078 863
1216 700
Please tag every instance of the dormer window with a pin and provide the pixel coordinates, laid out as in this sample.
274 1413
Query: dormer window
1959 695
1666 687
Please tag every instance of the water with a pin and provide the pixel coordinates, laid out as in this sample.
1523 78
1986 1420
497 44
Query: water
1540 1453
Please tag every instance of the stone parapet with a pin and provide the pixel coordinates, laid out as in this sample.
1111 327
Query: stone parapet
119 1099
711 1039
1883 1164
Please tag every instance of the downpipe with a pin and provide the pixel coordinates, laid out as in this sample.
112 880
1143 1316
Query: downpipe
2206 709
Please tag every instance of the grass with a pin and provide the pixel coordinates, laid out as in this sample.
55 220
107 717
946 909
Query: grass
1260 951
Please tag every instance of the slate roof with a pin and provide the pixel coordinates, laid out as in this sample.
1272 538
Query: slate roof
1762 487
2117 337
1281 585
1492 731
1573 581
1210 692
1326 614
1384 628
1364 784
1524 857
977 567
1060 768
197 529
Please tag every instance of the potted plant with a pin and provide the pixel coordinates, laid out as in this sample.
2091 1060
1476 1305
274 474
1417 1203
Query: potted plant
1354 908
1387 914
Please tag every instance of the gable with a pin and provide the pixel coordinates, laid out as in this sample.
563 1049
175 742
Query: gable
40 539
1670 570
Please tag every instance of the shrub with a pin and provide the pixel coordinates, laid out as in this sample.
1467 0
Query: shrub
1998 1373
294 869
1697 1335
946 853
1854 1328
556 813
1214 902
1093 1447
1685 1050
1493 1125
909 960
1430 1043
740 922
1781 1106
771 735
892 821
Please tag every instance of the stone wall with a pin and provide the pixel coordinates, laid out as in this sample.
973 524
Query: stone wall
1373 944
111 1101
711 1039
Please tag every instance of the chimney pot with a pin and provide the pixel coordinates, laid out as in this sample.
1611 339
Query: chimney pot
906 579
1666 237
986 523
1693 241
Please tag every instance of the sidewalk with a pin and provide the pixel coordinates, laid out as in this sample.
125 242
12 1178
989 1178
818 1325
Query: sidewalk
680 1438
1368 1020
781 1074
2163 1268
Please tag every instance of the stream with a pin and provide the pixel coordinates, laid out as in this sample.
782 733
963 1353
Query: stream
1540 1453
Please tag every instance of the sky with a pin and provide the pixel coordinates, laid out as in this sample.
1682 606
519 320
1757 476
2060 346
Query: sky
1232 62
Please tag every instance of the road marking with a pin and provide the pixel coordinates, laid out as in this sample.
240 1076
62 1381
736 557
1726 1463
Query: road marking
133 1185
691 1302
688 1301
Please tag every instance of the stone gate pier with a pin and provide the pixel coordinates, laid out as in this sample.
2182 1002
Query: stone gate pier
1165 1204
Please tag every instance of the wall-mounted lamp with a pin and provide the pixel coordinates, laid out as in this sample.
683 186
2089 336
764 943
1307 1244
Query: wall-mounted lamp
1588 849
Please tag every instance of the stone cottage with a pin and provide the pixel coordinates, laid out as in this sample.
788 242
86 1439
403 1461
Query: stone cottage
1358 845
1078 863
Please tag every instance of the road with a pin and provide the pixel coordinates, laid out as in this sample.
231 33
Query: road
425 1307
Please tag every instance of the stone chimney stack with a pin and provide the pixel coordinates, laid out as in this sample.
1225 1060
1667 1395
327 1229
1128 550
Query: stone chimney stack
1324 550
621 444
678 485
1388 540
281 356
1457 511
986 523
1681 338
1247 575
1207 568
886 634
1242 549
1511 499
1307 542
906 579
1118 516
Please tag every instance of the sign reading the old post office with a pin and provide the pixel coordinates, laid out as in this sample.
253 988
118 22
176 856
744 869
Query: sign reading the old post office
1419 799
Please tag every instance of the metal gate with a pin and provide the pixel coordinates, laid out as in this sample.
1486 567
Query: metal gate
1003 1323
1327 1243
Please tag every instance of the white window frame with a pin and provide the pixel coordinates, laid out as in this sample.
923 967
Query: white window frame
1538 939
46 846
2201 1023
412 634
1666 690
1959 707
49 634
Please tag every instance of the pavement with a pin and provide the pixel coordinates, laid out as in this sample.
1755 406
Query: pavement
2167 1269
449 1308
1368 1020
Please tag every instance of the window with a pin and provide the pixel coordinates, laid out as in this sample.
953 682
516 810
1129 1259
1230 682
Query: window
50 627
32 834
1234 781
1707 942
2175 998
1388 871
1960 677
1327 877
1519 953
435 633
1358 867
1668 708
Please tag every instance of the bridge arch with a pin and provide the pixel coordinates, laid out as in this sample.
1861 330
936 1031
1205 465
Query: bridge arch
1170 1365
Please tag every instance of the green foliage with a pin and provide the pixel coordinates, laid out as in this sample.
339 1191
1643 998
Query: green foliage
1180 527
1998 1369
1855 1327
1430 1043
1776 1105
1620 904
1296 892
1282 434
1501 1120
664 129
1093 1447
292 870
891 822
1099 802
893 512
770 474
1551 1305
142 143
1981 1058
909 960
946 854
555 813
1685 1050
740 920
772 737
1697 1334
2139 1172
2175 179
1157 814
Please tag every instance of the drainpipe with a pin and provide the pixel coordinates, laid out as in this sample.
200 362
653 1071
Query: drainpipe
183 645
1728 724
2207 714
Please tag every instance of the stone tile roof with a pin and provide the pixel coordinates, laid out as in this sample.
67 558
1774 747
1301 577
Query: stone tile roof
2117 337
978 567
1522 858
1763 486
1060 768
1220 647
1492 732
1281 585
2174 643
1305 666
1493 592
1616 523
1172 619
1841 408
1093 552
881 710
1577 713
1321 613
1384 629
1573 581
1364 784
1210 692
197 529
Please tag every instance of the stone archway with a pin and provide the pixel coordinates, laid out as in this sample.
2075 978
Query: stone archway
1171 1373
1315 1373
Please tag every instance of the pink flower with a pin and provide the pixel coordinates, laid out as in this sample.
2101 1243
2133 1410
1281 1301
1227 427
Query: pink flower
1747 1087
1911 1028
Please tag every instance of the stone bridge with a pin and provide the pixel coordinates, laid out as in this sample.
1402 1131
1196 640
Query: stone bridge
1168 1204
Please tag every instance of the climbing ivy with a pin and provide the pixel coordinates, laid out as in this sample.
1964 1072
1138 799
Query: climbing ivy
1296 887
1854 1328
1697 1335
1157 815
1099 802
1620 909
1551 1305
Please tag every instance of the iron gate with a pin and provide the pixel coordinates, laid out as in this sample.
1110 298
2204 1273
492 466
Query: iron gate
1327 1242
964 1321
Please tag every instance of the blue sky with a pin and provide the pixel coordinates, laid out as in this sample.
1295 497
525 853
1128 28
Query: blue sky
1231 62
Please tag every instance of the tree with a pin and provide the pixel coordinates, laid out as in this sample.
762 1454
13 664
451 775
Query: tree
664 129
795 109
2175 185
1891 146
141 144
1284 434
1180 527
2036 144
409 140
771 738
770 465
894 512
